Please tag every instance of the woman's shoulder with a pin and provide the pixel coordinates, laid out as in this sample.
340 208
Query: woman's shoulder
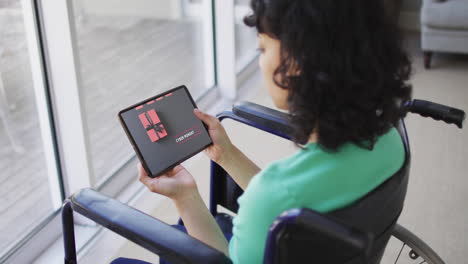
388 152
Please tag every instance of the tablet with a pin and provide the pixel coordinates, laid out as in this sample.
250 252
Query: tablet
164 131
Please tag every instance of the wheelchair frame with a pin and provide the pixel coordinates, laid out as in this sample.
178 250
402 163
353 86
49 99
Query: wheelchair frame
179 247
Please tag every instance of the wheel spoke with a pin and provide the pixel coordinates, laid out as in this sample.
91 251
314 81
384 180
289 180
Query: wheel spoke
399 253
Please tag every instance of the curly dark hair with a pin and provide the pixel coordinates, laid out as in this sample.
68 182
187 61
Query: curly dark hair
353 69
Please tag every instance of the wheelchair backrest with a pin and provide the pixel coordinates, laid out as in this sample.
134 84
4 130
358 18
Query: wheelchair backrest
357 233
303 235
374 214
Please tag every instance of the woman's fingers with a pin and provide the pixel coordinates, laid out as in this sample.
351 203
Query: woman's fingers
141 171
175 183
142 175
210 120
175 170
144 178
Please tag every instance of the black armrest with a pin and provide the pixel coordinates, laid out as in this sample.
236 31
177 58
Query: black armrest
142 229
260 117
263 116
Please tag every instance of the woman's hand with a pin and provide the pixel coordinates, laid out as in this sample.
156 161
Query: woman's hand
222 146
177 183
223 152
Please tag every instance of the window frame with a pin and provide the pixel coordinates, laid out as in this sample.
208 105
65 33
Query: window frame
47 229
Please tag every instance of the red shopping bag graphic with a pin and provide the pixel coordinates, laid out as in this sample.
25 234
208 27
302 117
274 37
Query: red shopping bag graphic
154 128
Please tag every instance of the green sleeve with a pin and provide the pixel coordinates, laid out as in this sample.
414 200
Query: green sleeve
257 210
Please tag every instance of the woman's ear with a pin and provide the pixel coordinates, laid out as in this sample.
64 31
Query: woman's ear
294 69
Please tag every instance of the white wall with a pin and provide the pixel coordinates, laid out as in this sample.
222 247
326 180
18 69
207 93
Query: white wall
160 9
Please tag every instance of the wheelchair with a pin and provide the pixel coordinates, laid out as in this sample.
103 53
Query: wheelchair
357 233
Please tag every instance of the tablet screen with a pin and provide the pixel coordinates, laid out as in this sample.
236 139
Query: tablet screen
164 131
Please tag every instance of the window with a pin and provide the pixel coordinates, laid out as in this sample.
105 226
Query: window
132 50
67 68
245 37
28 179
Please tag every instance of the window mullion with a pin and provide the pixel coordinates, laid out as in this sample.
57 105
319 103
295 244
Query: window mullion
64 80
225 48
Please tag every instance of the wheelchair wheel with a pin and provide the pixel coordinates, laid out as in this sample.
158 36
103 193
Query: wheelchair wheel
418 251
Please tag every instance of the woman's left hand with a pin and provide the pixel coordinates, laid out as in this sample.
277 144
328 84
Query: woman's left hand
177 183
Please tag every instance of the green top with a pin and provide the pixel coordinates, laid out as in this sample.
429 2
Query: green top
310 178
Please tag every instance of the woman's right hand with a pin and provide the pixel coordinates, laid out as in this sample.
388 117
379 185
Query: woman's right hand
222 146
223 152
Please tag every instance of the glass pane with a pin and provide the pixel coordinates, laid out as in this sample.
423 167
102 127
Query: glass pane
246 37
131 50
25 196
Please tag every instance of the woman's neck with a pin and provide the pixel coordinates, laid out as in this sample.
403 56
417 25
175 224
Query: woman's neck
313 138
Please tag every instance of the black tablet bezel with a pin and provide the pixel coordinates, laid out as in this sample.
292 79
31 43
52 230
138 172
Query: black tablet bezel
135 146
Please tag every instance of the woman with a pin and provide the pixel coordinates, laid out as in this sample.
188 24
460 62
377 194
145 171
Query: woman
338 67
